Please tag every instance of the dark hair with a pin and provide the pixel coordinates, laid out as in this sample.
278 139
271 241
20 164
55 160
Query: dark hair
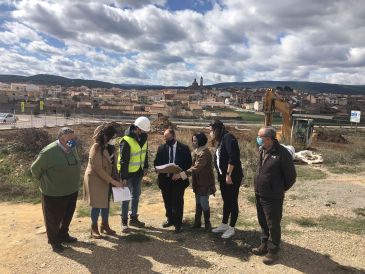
201 137
105 134
270 132
219 130
171 131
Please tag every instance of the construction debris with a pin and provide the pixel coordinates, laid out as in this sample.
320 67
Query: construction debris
308 157
161 124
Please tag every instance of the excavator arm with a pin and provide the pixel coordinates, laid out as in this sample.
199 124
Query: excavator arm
272 102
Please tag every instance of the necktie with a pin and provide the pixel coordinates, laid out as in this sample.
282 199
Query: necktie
171 159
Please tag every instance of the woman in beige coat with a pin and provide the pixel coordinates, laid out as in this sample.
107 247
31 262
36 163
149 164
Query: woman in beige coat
99 177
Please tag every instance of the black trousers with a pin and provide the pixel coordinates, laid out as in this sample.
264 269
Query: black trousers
173 198
269 214
58 212
230 199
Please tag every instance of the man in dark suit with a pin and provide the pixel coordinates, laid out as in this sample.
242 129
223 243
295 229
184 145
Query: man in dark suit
173 191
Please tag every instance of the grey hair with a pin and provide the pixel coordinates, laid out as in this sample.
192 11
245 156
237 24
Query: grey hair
64 131
270 132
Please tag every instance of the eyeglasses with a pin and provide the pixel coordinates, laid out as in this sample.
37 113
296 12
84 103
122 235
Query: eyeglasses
72 161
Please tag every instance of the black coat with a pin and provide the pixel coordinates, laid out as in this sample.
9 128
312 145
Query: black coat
182 159
229 154
275 172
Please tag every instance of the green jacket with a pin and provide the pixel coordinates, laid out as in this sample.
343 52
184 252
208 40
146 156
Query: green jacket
57 171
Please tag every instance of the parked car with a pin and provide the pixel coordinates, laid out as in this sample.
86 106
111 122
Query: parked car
8 118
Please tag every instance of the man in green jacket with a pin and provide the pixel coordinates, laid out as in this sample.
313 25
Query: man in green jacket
58 169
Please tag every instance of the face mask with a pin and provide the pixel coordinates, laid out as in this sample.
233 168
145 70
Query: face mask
112 142
170 142
211 134
71 143
259 141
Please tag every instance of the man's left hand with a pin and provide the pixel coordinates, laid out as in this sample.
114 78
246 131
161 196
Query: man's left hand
229 180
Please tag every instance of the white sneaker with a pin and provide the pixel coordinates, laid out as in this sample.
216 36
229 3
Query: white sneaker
125 229
228 233
221 228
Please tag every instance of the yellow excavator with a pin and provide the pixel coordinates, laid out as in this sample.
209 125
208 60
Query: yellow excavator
294 131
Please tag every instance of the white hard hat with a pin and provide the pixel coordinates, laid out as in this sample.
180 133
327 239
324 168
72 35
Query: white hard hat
143 123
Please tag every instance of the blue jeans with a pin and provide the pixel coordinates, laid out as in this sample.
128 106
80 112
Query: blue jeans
203 201
134 185
95 212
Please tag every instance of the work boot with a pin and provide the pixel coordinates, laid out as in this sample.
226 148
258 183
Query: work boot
58 248
135 222
198 216
94 232
207 224
125 228
261 250
271 256
105 228
168 223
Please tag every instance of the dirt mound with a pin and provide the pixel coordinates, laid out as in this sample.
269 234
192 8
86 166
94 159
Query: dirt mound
161 124
331 136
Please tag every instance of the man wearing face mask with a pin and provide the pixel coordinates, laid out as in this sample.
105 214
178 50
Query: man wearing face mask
275 174
173 190
132 165
58 168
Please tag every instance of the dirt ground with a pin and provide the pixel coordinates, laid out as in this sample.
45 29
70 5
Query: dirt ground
24 247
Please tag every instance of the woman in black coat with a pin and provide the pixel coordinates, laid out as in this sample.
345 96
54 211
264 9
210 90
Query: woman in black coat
229 170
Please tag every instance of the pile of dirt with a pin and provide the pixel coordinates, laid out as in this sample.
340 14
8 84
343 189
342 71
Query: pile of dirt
161 124
331 136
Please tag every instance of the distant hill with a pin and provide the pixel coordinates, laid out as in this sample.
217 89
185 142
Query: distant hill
306 86
46 79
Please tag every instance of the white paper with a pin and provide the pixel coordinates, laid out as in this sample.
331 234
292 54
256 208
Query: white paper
168 168
121 194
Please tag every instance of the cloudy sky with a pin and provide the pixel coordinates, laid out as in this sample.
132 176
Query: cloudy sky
171 42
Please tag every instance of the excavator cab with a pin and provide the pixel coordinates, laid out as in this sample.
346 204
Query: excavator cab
301 132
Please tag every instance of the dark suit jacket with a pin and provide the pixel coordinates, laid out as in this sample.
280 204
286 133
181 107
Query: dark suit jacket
182 159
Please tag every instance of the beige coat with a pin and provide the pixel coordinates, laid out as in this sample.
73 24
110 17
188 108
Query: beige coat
98 175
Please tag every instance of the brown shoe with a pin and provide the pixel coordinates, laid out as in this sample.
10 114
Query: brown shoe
135 222
105 228
94 232
271 257
261 250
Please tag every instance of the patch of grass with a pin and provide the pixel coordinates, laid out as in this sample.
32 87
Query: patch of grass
342 224
359 211
251 198
308 173
137 237
340 169
245 223
306 222
82 210
333 223
17 185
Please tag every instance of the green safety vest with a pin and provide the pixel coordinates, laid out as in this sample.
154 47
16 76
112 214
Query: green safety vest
137 154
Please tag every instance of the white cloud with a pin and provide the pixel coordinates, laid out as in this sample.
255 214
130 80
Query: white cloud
142 41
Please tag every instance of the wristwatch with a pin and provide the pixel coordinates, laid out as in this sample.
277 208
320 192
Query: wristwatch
229 173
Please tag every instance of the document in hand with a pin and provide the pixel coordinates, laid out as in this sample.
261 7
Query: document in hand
121 194
168 168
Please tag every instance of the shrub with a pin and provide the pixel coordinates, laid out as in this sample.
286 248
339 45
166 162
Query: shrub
31 140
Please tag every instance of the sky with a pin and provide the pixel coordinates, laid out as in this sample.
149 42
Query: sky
171 42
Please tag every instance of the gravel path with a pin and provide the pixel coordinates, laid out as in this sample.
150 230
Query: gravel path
156 250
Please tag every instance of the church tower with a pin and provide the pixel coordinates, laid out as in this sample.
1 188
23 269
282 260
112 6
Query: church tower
201 81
